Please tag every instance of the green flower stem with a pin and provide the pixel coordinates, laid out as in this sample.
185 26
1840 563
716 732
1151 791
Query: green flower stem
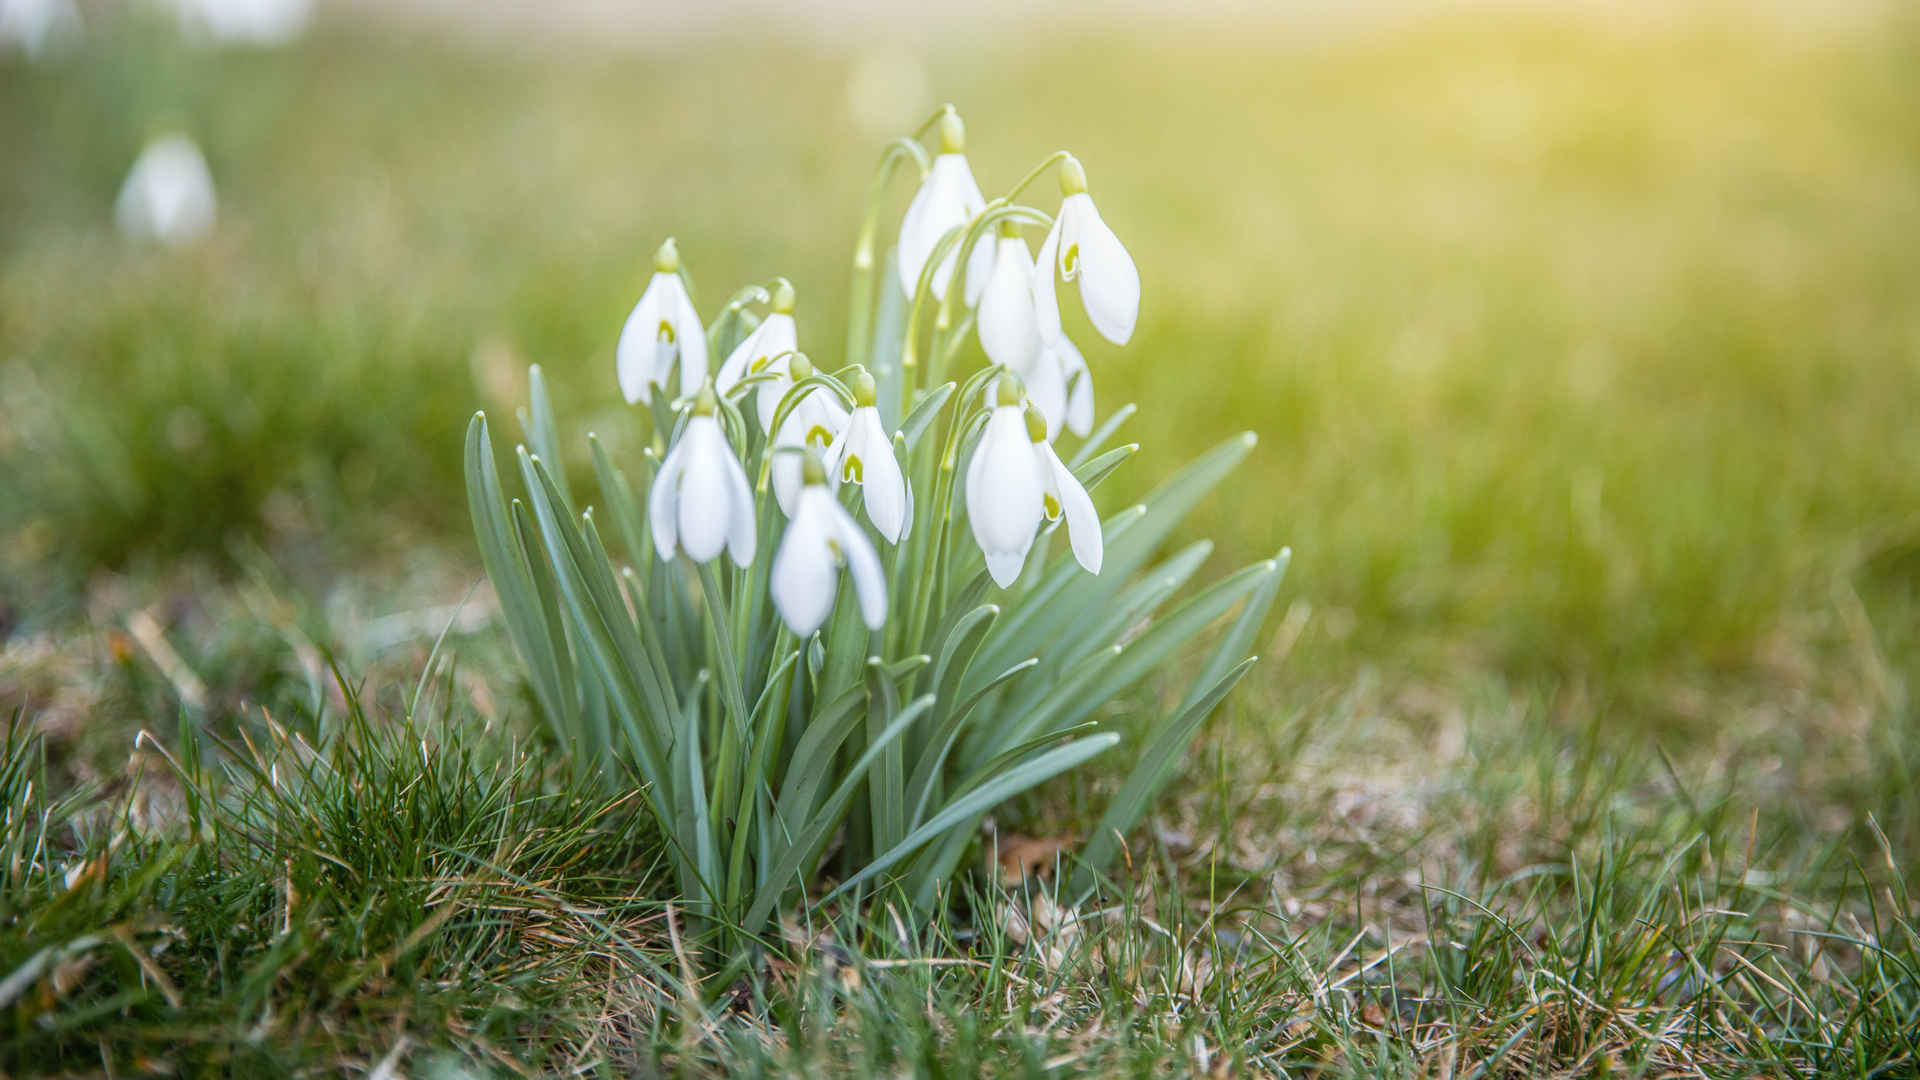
945 342
860 314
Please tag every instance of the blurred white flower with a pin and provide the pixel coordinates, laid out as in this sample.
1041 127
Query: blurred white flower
863 454
815 420
36 26
700 501
948 197
821 538
768 349
663 327
1081 246
168 195
245 22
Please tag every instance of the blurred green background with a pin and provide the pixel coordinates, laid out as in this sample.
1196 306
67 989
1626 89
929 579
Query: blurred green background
1584 349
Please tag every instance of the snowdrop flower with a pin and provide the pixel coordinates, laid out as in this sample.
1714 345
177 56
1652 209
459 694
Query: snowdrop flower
863 454
34 26
767 349
169 194
700 500
813 423
1005 495
948 197
662 328
806 570
1015 482
1081 246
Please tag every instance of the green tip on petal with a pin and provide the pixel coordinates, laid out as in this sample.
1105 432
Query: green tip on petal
864 390
704 403
1009 391
1073 177
811 471
953 133
782 296
666 257
799 366
1036 424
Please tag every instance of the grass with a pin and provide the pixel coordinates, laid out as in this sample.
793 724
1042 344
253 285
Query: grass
1583 359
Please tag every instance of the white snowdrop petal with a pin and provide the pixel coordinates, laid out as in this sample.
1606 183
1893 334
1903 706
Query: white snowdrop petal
691 338
634 357
928 216
1083 521
1009 332
1005 566
869 580
740 513
1003 490
804 575
1073 369
1047 388
704 502
881 482
661 509
1046 305
1109 282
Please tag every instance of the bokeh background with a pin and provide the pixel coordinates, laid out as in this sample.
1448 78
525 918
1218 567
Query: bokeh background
1583 340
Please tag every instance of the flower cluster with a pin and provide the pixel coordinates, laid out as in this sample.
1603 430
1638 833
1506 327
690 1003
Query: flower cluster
815 437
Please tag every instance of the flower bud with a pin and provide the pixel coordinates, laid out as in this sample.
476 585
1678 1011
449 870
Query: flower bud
782 296
666 257
864 391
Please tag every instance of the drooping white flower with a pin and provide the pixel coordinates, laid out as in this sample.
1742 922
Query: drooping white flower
821 538
948 197
1005 489
1060 387
1065 495
168 195
813 423
863 454
768 349
700 502
662 328
35 26
1080 246
1009 331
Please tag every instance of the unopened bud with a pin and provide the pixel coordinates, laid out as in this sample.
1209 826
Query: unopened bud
782 296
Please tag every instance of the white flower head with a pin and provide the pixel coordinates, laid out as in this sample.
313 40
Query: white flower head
768 349
863 454
37 26
1080 246
662 328
168 196
1005 493
700 502
814 422
821 538
948 197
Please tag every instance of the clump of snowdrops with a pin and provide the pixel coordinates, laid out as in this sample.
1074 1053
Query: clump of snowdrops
820 623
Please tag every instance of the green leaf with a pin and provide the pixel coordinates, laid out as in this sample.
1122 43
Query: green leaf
925 411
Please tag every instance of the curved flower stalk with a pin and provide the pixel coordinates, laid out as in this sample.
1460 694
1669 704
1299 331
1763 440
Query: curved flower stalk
663 329
1081 246
948 198
768 350
701 503
784 736
821 539
863 455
